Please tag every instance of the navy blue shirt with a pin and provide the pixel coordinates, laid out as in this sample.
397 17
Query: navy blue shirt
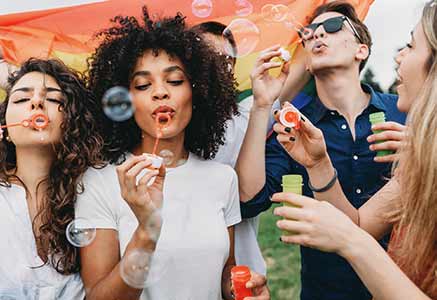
327 276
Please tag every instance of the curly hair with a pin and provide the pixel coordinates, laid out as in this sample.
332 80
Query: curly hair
79 148
214 87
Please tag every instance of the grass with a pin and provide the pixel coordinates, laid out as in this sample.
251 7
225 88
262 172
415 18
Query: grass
283 260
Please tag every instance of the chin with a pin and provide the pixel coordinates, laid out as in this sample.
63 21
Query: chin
404 102
403 106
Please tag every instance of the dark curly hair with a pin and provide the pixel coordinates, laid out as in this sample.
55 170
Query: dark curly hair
214 87
79 148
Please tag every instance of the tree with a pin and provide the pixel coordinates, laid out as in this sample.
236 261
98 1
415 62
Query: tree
369 78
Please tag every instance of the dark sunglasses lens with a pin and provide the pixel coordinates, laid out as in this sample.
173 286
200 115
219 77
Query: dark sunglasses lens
312 27
333 25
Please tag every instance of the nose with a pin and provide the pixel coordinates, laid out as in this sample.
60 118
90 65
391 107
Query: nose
319 33
37 101
160 93
400 55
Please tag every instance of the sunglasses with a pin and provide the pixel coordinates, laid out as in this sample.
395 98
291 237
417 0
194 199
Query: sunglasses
331 25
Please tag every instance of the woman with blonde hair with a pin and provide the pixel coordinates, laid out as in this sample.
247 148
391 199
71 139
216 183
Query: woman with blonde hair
407 204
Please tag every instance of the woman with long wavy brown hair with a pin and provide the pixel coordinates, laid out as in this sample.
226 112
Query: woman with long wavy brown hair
40 172
407 203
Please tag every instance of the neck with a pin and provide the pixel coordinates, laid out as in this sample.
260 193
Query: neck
341 90
33 165
173 144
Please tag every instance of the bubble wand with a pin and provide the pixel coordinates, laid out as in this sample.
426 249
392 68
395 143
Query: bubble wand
38 121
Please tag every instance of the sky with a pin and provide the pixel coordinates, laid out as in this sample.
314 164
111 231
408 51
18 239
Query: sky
390 23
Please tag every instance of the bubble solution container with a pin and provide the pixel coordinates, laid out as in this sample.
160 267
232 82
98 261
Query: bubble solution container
156 160
291 184
240 275
377 118
289 118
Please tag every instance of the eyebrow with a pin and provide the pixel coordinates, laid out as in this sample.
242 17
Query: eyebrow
166 70
29 89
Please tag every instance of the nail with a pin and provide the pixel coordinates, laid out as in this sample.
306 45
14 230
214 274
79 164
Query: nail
292 138
302 118
280 239
275 112
287 129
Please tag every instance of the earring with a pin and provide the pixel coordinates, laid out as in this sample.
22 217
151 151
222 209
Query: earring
8 138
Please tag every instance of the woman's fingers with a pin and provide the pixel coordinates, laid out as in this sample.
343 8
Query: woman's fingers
130 177
159 180
256 280
297 239
290 212
293 226
268 55
285 139
292 199
281 129
387 145
386 158
389 126
265 67
143 184
386 135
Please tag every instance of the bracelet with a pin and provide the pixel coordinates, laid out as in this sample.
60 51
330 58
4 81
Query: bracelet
326 187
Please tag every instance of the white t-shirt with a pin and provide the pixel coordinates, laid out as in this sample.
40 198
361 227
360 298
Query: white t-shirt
18 254
200 203
247 251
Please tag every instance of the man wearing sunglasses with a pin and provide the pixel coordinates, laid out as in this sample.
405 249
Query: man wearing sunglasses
337 45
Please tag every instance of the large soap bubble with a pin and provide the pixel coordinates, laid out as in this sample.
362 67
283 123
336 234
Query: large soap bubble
246 35
117 104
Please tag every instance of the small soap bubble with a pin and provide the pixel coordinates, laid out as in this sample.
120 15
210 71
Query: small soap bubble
246 35
243 8
167 157
279 12
134 268
117 104
201 8
80 232
141 269
266 12
274 13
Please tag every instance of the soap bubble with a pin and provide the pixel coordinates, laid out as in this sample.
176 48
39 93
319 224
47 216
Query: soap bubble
80 232
154 224
246 35
167 156
279 12
243 8
201 8
117 104
274 13
134 268
141 268
292 23
266 12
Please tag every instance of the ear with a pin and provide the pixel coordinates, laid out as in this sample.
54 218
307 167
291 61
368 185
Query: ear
363 52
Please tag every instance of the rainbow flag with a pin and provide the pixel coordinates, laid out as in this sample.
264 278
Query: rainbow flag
65 28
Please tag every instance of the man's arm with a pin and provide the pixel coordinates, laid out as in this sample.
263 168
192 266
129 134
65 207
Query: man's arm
277 163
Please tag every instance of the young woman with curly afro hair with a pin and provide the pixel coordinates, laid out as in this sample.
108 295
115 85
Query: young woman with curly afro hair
167 68
40 177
